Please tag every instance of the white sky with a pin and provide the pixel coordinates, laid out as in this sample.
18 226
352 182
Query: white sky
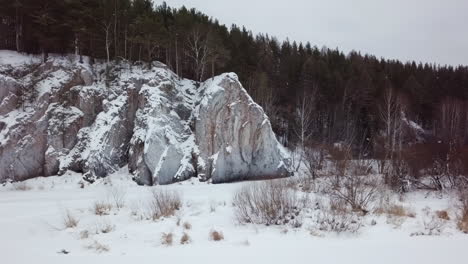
421 30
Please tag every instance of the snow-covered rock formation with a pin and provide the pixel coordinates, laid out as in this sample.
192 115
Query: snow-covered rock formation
64 115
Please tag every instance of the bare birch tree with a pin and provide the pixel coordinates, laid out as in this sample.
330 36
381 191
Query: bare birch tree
392 114
304 122
198 50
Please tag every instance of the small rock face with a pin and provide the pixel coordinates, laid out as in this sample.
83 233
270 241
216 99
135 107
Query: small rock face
62 115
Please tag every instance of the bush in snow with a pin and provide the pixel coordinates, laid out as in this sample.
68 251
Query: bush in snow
463 218
268 203
336 218
69 221
216 235
167 239
443 215
104 227
164 203
187 226
21 186
117 194
185 239
98 247
356 191
102 208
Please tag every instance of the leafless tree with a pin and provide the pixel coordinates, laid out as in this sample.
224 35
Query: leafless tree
304 120
198 50
451 129
392 115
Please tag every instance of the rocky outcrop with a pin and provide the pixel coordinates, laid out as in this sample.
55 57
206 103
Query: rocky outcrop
62 115
234 135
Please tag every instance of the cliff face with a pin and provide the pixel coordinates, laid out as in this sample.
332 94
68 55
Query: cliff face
63 115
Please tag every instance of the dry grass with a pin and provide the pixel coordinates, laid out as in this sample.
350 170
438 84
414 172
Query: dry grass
401 211
336 218
185 239
395 211
102 208
443 215
216 235
69 220
463 224
98 247
268 203
167 239
84 234
356 191
104 227
164 203
463 218
21 186
117 194
187 226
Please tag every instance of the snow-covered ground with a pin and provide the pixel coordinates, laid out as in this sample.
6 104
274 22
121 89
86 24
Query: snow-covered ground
32 228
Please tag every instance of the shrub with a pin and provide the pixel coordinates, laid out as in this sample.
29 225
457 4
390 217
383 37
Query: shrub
104 227
443 215
185 239
69 221
84 234
463 218
21 186
356 191
164 203
167 239
216 235
187 226
98 247
102 208
117 195
395 210
434 226
268 203
337 220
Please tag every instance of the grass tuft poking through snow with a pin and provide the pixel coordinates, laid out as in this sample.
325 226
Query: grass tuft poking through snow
167 239
268 203
187 226
98 247
21 186
164 203
69 220
117 194
185 239
102 208
463 218
216 235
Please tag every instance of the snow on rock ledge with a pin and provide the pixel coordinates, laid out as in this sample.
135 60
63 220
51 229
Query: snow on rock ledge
62 115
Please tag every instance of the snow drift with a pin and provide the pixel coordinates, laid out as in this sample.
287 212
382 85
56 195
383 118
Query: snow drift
64 115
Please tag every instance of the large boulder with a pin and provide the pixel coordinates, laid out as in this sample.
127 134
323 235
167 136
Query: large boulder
234 135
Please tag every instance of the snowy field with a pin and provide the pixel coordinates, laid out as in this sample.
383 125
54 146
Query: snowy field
32 227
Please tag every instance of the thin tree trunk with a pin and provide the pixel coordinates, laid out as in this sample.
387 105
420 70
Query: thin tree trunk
176 57
115 29
18 29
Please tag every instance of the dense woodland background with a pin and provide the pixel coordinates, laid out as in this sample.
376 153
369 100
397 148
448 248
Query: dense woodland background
412 116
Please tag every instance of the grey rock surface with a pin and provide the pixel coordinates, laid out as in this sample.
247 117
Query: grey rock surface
62 115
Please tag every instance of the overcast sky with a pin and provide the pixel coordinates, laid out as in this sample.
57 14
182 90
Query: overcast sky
421 30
